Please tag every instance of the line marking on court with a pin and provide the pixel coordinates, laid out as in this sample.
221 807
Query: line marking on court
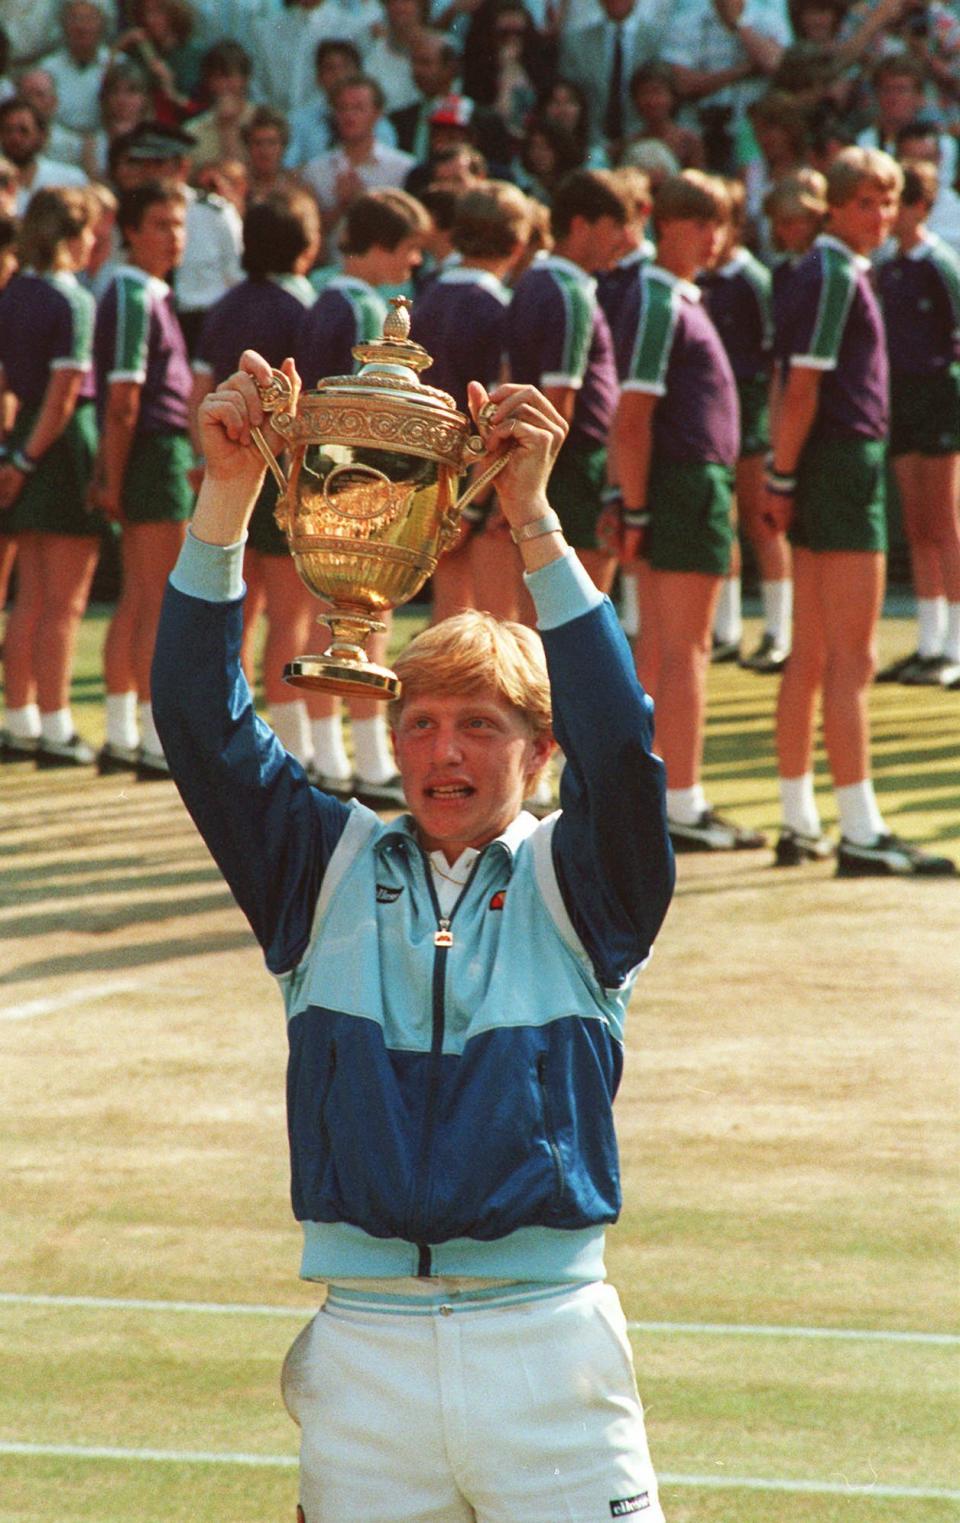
54 1004
290 1462
251 1309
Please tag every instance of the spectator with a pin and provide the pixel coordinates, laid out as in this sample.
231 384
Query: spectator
547 155
224 83
456 122
37 88
565 103
782 133
9 188
722 51
23 137
162 43
359 162
602 55
209 263
898 84
101 266
920 141
77 68
33 27
46 327
653 157
228 178
388 60
285 38
653 91
266 312
142 473
507 62
312 127
266 135
458 167
125 102
435 64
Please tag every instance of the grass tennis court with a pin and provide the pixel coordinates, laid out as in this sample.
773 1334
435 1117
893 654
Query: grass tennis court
787 1124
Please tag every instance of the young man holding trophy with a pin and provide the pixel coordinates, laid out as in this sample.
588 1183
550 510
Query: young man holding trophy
456 983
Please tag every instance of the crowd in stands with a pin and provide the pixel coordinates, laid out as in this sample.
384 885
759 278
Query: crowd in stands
648 208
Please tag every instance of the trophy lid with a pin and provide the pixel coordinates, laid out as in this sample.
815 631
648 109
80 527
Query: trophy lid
390 366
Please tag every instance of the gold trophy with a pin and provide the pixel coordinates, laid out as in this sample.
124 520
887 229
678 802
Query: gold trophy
370 502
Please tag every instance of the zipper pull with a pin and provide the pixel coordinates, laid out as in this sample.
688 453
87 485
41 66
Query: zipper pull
443 936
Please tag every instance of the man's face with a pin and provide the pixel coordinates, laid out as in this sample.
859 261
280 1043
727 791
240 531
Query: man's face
334 67
456 173
82 30
432 73
21 138
157 245
609 242
265 150
924 146
898 100
466 762
397 265
38 89
356 114
866 220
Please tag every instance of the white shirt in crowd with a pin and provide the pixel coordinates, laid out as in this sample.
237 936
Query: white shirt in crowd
386 167
78 89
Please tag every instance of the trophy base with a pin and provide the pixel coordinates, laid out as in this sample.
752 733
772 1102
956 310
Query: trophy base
348 679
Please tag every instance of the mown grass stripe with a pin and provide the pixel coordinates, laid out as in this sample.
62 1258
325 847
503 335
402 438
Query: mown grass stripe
712 1329
289 1462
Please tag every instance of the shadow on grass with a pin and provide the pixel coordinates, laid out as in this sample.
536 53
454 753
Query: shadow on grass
47 881
103 920
110 960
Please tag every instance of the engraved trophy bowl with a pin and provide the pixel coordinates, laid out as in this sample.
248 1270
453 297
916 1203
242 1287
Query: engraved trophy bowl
369 500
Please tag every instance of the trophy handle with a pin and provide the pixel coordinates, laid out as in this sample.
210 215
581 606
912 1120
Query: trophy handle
479 482
275 399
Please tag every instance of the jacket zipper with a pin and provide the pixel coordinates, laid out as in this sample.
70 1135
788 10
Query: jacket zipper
442 941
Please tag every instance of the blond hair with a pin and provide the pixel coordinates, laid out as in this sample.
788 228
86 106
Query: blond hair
854 167
53 216
691 196
472 652
490 220
801 194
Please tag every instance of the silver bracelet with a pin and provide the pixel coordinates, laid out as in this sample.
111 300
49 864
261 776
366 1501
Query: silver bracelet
547 523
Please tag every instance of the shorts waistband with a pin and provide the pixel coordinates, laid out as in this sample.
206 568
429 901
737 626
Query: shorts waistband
445 1303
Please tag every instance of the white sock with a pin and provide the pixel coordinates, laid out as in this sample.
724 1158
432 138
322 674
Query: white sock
629 605
860 818
371 749
291 725
727 622
329 753
931 626
122 721
686 805
798 804
23 724
777 598
148 730
951 645
57 726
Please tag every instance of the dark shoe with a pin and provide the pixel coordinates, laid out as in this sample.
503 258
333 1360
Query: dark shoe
388 795
768 658
17 748
724 650
111 758
65 753
712 832
889 856
337 787
931 671
152 766
794 847
896 670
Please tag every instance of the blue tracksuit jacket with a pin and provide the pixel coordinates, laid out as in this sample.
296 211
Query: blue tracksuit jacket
449 1106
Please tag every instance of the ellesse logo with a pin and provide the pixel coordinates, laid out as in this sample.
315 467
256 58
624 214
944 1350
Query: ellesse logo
497 902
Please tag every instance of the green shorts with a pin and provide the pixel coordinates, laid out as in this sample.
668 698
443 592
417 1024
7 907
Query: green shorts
264 535
754 397
841 497
925 413
575 488
155 485
691 524
52 500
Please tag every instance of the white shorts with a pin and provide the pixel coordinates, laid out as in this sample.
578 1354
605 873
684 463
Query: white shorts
509 1413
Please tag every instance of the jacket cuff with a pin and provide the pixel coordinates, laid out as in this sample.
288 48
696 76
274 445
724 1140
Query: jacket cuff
211 572
562 591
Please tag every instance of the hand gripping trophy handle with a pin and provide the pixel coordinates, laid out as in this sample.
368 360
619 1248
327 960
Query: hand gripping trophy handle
275 399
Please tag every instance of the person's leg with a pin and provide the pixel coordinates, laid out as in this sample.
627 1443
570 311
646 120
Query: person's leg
497 570
851 598
646 650
68 562
8 554
926 569
154 547
452 585
22 717
801 838
728 615
291 609
773 561
600 567
937 480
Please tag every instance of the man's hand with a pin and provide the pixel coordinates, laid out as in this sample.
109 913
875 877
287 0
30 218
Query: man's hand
527 426
226 416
